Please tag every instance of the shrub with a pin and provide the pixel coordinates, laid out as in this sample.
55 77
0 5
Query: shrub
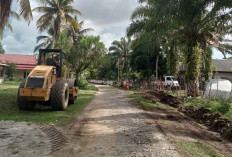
223 107
10 70
82 83
220 106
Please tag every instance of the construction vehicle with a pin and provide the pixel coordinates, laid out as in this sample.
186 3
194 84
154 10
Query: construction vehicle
47 84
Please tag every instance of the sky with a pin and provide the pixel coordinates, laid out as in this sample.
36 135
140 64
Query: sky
108 18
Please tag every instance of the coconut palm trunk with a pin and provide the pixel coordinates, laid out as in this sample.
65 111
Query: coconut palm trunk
192 59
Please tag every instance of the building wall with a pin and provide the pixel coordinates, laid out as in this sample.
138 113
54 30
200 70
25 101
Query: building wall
221 75
19 74
1 80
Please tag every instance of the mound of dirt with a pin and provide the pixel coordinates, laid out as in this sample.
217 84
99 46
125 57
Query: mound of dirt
167 99
213 120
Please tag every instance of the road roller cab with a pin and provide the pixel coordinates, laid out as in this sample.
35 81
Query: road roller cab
48 83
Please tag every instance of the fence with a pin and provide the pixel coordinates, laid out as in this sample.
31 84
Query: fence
179 91
102 82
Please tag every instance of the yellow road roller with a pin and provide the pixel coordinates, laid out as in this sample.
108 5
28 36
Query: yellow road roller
47 84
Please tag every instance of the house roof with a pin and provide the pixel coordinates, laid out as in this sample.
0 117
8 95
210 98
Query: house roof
223 65
23 62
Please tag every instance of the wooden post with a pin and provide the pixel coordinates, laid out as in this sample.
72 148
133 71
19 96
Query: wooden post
177 91
162 85
186 90
180 90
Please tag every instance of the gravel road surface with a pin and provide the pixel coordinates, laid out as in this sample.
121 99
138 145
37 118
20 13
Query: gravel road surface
112 127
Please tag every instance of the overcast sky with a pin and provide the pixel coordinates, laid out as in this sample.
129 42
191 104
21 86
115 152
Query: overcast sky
108 18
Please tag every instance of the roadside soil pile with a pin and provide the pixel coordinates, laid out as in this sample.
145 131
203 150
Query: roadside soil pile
184 126
214 121
167 99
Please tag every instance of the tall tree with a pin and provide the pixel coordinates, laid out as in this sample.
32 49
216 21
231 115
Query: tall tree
83 54
47 40
57 13
193 23
75 33
5 11
122 48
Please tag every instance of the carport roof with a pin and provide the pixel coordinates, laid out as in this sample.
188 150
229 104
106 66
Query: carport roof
223 65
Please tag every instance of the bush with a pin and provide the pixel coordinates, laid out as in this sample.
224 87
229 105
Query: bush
223 107
82 83
10 70
220 106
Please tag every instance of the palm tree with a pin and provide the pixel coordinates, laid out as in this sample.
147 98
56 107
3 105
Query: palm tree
5 11
12 14
76 34
47 40
191 23
8 25
122 48
57 13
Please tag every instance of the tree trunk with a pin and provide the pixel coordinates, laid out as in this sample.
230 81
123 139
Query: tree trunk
156 67
192 60
172 61
57 25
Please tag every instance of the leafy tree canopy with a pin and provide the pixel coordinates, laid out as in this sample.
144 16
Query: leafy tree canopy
85 53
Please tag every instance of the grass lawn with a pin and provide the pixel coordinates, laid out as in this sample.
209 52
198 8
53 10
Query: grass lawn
196 149
41 114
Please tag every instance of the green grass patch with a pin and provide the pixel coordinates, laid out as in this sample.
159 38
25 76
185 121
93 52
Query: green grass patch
41 114
166 122
219 106
147 105
196 149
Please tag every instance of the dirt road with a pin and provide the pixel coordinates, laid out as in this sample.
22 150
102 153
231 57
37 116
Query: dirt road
112 127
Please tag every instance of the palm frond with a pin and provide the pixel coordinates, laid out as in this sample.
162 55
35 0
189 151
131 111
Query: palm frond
40 46
39 38
72 21
5 7
15 15
25 10
71 10
8 25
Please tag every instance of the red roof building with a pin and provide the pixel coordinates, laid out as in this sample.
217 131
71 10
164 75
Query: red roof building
24 63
